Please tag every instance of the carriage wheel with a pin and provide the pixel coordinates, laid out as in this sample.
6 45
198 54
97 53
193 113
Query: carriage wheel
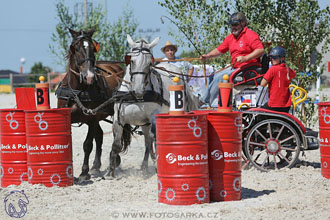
272 144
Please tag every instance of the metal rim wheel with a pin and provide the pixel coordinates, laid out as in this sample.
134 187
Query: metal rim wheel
272 144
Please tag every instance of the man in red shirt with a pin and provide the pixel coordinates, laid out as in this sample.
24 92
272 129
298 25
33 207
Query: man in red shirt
278 78
244 46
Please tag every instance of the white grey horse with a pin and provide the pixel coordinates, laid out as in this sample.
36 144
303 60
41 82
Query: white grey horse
145 93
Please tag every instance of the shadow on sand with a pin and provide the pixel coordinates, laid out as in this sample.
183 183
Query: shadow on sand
250 193
303 163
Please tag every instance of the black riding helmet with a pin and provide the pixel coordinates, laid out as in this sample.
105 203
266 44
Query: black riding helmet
236 18
277 52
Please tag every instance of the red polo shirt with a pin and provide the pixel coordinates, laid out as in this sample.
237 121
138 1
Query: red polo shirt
278 85
246 42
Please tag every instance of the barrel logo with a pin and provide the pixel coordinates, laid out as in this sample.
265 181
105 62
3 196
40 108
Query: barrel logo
326 117
170 158
13 124
43 125
216 155
192 124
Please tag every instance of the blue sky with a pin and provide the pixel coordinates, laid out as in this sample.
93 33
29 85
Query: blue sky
26 27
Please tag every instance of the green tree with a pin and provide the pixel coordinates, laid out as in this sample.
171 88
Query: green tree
204 22
39 69
189 54
298 25
111 36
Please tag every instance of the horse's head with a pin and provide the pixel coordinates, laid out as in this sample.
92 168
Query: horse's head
140 59
82 55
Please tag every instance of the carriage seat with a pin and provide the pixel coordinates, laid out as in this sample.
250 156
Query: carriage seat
250 74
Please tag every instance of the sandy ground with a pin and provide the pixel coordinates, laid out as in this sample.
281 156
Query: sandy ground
297 193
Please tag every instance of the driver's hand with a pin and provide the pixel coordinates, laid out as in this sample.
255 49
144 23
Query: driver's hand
204 57
241 59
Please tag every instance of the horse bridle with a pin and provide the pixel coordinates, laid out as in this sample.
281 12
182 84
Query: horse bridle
85 37
137 52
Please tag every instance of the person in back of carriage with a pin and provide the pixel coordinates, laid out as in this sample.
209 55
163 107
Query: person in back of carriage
278 79
169 50
244 46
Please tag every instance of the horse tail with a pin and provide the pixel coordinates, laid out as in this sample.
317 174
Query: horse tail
126 138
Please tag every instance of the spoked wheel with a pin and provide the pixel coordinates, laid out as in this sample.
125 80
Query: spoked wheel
272 144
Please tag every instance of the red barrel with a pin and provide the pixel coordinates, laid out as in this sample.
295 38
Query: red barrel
182 164
13 169
324 126
225 155
48 137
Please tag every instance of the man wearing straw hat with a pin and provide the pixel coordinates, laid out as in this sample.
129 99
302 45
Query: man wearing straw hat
244 46
169 50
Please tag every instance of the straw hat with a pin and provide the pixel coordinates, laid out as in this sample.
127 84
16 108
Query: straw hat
168 44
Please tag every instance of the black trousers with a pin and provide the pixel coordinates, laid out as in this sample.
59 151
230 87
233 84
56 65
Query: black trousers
278 109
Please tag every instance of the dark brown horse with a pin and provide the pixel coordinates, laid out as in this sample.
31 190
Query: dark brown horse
83 89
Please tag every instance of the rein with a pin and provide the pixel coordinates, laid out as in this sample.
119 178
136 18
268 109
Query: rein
160 60
116 97
75 72
182 74
113 74
85 110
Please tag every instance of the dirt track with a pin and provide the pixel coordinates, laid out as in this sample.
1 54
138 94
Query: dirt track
298 193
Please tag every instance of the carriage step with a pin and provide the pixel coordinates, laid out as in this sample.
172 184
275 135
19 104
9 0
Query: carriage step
310 132
312 143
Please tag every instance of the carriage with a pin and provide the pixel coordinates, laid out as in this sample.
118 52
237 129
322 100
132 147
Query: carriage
271 140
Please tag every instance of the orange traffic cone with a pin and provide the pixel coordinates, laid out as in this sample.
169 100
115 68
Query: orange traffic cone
225 95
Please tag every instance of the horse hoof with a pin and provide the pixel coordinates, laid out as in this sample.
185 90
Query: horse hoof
83 177
145 173
95 172
144 169
118 161
110 174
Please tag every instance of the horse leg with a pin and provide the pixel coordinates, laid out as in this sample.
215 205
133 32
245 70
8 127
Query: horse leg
115 150
88 147
148 145
99 141
153 152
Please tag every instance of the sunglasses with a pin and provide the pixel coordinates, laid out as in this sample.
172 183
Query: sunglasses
235 24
